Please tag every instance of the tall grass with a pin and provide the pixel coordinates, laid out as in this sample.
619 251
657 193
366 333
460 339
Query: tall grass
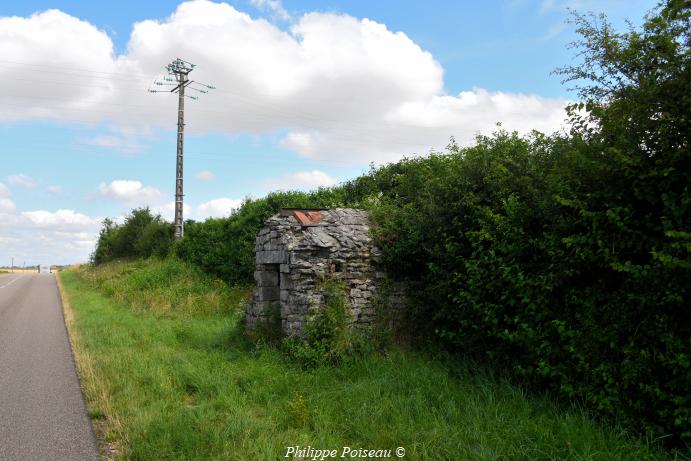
164 287
189 386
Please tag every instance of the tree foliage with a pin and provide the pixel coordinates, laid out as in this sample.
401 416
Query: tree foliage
142 235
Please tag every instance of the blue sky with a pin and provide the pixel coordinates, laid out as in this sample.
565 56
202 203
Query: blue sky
309 93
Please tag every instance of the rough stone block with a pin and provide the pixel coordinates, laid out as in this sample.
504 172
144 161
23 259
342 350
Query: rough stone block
271 257
286 282
297 299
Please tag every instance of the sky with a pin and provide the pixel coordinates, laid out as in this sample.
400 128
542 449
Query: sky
307 93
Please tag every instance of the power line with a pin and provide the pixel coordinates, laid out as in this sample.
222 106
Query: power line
112 76
256 108
80 84
346 135
270 112
274 108
346 126
265 110
145 77
269 109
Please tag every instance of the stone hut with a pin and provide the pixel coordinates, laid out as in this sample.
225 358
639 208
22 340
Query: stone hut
297 250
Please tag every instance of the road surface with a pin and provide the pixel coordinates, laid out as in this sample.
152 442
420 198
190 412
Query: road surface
42 412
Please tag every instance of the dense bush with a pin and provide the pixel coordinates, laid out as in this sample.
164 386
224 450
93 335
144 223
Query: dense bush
141 235
565 260
509 266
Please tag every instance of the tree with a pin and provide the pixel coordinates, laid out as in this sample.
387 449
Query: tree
141 235
104 246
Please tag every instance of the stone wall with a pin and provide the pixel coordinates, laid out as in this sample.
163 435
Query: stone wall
298 250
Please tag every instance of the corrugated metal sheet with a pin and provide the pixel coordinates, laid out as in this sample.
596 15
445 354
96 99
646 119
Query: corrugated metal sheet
305 216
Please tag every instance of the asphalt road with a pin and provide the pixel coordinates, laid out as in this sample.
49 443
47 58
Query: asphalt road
42 411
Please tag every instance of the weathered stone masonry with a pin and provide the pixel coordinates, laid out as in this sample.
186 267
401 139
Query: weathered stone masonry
297 250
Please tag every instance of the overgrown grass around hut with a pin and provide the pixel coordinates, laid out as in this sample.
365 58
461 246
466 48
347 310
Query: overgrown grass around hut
170 376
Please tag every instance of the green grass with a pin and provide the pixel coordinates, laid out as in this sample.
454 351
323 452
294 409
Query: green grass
167 383
164 287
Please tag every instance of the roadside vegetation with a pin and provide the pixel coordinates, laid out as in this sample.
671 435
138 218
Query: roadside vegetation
148 285
188 385
560 261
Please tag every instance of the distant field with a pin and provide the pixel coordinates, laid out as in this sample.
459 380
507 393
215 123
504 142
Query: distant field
168 375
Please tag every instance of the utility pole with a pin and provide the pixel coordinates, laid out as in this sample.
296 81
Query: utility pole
12 263
180 70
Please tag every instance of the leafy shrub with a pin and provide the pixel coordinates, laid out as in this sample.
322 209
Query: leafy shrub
156 240
330 338
141 235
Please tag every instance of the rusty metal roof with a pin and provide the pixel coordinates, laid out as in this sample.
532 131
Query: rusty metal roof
306 217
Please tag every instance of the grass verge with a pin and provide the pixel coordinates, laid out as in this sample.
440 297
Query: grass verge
104 420
170 383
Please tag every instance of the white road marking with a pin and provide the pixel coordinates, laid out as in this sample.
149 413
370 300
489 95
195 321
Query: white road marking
10 282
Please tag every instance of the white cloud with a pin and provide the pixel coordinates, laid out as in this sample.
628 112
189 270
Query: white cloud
53 38
547 5
167 211
275 6
7 205
126 144
130 192
218 208
55 189
4 191
50 237
64 220
21 180
206 176
345 90
302 180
